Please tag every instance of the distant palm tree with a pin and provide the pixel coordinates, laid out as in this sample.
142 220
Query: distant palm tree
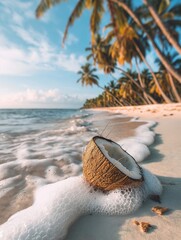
100 52
127 91
88 78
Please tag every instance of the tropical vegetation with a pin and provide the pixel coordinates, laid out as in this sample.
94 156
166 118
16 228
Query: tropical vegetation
133 31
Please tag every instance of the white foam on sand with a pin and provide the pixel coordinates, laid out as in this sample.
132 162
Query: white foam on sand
57 205
137 146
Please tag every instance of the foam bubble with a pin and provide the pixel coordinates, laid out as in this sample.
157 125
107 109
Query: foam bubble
57 205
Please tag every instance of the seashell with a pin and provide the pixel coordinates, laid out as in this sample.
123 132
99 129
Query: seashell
159 210
144 226
107 166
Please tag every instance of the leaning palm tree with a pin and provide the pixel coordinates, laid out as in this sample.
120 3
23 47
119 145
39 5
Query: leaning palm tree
105 55
170 16
175 86
100 53
162 7
127 92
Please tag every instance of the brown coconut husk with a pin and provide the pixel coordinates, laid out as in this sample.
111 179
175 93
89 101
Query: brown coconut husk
101 173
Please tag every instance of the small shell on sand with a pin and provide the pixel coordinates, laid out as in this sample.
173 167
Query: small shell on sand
144 226
159 210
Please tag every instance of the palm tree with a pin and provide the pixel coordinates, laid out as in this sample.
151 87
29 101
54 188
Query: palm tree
176 62
88 78
100 52
162 5
164 83
170 18
155 45
165 97
128 89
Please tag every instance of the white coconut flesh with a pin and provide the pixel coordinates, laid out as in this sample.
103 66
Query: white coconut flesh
119 158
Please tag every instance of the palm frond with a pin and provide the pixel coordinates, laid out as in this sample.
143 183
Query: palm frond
88 49
44 5
89 56
109 36
95 76
176 9
96 16
75 14
163 6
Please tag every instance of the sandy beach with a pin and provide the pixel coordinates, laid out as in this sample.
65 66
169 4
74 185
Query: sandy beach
165 162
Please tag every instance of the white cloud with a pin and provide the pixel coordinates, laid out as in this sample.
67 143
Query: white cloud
17 19
70 62
17 3
27 35
38 55
38 97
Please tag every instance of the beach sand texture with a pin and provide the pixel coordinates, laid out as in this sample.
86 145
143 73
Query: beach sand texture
165 163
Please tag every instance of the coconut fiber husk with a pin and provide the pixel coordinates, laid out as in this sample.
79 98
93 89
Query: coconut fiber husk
101 173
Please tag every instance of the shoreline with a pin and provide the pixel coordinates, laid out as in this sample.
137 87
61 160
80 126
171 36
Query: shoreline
164 162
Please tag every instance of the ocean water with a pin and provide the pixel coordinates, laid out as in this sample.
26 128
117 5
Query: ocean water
41 134
42 190
37 147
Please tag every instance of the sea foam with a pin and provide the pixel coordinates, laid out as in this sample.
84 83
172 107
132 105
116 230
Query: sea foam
137 146
57 205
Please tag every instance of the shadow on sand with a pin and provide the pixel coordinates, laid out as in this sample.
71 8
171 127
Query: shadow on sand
155 155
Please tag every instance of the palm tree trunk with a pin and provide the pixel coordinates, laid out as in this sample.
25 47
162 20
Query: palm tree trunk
166 99
162 27
139 95
141 82
176 94
164 61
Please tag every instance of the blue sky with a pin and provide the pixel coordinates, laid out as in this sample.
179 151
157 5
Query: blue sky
35 71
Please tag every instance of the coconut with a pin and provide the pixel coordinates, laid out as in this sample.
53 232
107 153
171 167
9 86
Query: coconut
107 166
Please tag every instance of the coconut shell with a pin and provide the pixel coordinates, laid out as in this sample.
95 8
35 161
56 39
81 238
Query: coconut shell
101 173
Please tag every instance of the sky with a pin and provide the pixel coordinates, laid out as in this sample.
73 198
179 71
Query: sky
35 70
